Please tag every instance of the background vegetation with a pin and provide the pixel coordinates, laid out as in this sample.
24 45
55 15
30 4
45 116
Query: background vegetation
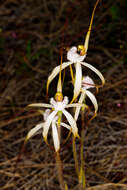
31 35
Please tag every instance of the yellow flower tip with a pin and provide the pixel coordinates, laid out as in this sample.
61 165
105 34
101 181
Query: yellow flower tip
103 82
59 97
59 85
45 139
76 135
26 139
84 107
81 50
95 114
30 105
67 48
66 187
97 89
47 87
73 99
57 150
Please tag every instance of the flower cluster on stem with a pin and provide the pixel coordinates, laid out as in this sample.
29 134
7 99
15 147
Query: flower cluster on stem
57 111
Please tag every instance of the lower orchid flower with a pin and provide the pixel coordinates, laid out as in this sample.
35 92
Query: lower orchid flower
53 117
54 124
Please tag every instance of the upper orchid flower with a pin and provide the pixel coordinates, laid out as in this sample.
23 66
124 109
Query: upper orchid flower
74 57
77 55
54 118
87 83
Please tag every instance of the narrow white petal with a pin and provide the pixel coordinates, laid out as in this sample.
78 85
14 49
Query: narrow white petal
87 40
65 100
95 70
72 122
46 114
55 137
59 86
34 130
78 80
52 101
77 111
93 99
40 105
56 70
74 105
47 123
65 125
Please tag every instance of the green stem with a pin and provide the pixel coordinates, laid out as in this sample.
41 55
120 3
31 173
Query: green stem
83 180
75 157
60 171
82 137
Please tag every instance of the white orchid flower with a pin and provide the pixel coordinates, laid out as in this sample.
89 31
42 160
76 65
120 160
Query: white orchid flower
56 140
55 135
52 118
77 55
87 83
77 59
73 56
39 126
